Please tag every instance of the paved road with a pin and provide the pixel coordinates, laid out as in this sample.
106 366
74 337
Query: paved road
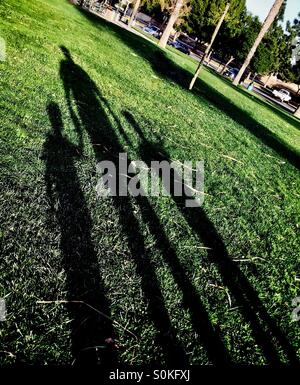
120 24
276 101
265 94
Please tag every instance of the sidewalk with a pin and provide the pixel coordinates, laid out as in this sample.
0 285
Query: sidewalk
119 23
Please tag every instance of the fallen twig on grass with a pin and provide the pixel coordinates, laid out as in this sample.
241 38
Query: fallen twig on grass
231 158
248 259
197 247
226 291
91 307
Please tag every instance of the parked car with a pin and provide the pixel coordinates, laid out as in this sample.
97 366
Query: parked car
231 73
282 94
181 47
152 30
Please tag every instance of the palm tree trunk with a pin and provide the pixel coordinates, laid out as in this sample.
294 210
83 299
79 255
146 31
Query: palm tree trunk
176 36
134 13
208 58
173 17
264 29
226 65
247 80
267 81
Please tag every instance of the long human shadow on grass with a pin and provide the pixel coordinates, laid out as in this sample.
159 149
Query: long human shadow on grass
81 91
265 330
91 333
267 334
168 70
90 116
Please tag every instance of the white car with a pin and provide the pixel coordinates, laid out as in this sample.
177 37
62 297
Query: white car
283 95
152 29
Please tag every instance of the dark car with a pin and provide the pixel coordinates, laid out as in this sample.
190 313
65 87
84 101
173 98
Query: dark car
231 73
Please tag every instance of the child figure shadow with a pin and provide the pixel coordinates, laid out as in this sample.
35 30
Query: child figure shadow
91 333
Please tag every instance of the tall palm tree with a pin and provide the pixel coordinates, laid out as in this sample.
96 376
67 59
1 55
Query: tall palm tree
134 12
173 18
274 11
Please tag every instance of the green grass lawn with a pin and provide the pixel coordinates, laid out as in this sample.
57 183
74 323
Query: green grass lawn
207 285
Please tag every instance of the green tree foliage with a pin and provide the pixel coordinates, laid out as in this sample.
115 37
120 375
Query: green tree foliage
281 13
291 74
237 40
152 8
160 10
262 61
296 26
286 71
238 34
205 14
272 52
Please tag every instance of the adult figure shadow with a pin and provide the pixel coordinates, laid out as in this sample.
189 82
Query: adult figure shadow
90 116
267 334
91 333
